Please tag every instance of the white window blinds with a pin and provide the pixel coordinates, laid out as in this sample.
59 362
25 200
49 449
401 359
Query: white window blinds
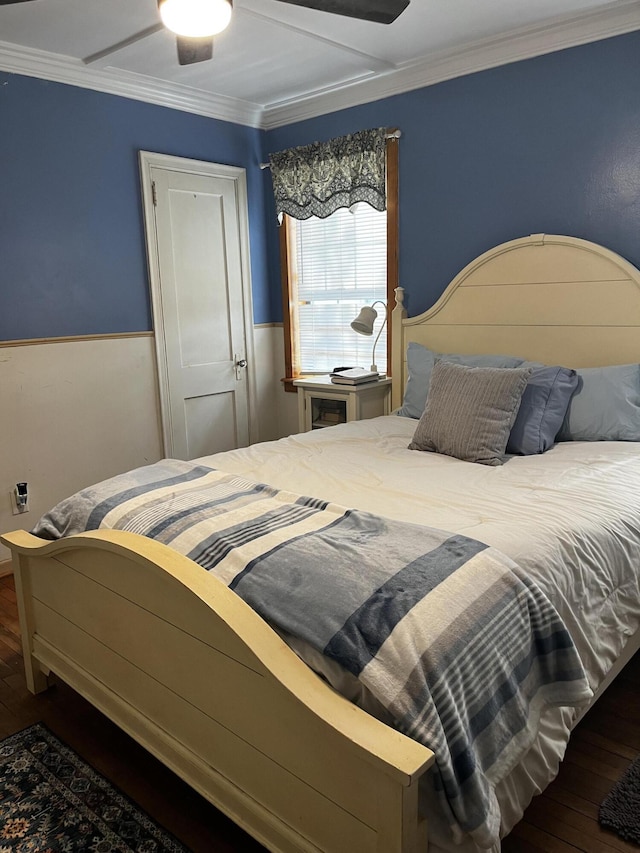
340 265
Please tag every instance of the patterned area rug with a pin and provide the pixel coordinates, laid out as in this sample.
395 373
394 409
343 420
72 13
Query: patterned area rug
53 802
620 810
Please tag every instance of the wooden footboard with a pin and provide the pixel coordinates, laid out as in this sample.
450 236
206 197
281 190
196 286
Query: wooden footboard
193 674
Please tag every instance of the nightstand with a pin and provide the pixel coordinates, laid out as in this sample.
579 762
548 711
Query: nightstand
322 403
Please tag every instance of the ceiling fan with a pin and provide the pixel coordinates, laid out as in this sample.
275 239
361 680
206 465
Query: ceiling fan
196 22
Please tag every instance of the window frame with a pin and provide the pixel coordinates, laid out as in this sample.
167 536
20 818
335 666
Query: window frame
291 361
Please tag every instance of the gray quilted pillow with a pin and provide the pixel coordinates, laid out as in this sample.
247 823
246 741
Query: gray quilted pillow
470 411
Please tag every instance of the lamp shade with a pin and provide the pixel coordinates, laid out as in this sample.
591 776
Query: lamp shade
195 18
363 324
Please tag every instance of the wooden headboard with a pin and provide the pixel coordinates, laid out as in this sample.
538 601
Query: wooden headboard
548 298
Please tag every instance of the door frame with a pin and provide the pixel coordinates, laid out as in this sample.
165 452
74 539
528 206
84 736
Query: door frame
149 160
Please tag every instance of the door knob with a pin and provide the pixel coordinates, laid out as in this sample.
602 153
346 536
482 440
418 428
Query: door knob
242 362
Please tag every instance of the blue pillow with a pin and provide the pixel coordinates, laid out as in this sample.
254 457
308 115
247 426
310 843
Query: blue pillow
542 410
420 362
605 406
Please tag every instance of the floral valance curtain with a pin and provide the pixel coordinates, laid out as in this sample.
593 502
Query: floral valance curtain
317 179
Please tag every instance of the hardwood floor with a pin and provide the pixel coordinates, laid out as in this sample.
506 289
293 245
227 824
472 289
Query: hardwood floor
562 820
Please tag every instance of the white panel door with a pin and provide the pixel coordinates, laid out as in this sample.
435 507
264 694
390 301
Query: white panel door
197 251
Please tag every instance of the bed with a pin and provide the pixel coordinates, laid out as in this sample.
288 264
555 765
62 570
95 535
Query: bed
186 667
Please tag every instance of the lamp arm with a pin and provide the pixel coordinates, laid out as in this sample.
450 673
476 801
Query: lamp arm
374 366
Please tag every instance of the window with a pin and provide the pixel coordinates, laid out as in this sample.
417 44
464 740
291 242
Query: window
331 268
338 264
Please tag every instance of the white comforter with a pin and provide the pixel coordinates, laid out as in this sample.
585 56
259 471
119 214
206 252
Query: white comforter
569 517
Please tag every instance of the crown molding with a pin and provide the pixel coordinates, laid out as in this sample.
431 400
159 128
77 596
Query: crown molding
65 69
525 43
517 45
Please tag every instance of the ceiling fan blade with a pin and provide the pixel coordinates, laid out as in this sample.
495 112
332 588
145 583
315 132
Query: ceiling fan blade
11 2
379 11
192 50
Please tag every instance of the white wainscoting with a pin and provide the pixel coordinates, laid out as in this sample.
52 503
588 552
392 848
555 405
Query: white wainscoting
277 409
75 412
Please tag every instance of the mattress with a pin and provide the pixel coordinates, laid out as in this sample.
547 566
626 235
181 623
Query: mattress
570 518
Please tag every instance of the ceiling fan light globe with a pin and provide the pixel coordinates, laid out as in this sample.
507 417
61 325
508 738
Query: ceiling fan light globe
195 18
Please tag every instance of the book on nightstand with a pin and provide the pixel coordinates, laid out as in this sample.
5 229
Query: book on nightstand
354 376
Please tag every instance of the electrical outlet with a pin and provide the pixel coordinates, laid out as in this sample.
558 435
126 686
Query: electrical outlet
16 508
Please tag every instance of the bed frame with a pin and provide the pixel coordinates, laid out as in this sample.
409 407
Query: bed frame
548 298
246 723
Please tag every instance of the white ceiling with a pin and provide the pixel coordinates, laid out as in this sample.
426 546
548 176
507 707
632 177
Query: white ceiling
278 63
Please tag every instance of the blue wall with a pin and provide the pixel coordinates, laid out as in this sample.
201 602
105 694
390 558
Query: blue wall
72 250
549 145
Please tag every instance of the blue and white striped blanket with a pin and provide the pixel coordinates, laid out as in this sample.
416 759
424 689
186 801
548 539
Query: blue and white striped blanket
461 648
